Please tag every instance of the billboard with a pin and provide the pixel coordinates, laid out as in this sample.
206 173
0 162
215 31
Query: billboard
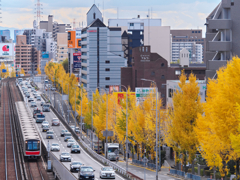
45 55
77 61
142 93
114 88
78 34
6 49
122 96
71 39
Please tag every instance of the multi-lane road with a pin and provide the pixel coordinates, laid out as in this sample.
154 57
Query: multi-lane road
83 157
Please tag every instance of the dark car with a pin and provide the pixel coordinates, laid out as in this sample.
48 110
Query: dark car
35 111
86 172
75 148
75 166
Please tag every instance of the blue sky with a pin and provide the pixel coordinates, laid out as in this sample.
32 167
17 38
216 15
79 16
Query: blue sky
179 14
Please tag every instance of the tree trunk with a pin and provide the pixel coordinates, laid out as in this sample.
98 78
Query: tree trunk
193 170
237 169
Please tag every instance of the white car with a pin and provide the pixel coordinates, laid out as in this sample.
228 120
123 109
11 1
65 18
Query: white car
55 147
70 142
38 98
107 172
33 104
65 157
45 123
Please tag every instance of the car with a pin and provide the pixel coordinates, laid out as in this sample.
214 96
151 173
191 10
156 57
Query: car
67 137
38 98
75 166
40 117
33 104
32 89
75 148
86 172
107 172
53 89
65 156
63 132
35 111
27 94
55 122
55 147
29 86
72 126
70 142
27 79
49 134
26 83
77 130
45 123
30 99
45 128
42 103
46 107
36 95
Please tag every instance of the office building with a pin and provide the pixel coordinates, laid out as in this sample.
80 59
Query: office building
62 46
27 57
145 32
190 35
17 32
222 35
54 27
195 51
102 55
149 65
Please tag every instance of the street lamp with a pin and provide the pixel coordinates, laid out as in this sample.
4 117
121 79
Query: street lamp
126 127
156 127
62 94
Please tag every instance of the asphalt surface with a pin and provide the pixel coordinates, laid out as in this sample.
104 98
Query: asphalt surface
139 171
83 157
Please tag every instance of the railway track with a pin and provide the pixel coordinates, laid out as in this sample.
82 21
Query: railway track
35 171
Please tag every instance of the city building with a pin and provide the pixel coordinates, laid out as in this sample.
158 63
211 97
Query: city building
54 27
17 32
5 33
195 51
7 54
62 47
152 66
27 57
101 50
222 35
190 35
173 85
145 32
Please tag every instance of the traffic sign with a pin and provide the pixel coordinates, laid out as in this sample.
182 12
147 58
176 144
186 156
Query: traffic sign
107 133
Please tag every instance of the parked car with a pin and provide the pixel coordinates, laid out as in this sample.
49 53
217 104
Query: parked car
40 118
55 147
55 122
75 166
33 104
49 135
63 132
86 172
75 148
107 172
64 156
70 142
35 111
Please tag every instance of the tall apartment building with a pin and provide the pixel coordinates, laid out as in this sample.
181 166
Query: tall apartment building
102 55
222 35
190 35
145 32
54 27
62 46
17 32
27 56
195 51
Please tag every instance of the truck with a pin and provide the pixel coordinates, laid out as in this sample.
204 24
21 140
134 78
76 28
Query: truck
112 151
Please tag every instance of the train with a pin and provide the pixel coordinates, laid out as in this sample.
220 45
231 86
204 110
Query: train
30 139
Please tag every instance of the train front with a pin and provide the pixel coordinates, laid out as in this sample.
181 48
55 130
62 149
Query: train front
33 148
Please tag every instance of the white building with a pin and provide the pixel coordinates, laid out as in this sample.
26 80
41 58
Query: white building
194 49
146 32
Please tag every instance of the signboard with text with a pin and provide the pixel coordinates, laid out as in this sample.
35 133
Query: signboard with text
142 94
77 62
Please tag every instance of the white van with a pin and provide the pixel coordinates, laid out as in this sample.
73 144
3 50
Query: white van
46 108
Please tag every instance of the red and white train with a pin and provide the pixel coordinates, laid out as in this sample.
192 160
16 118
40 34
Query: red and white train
29 135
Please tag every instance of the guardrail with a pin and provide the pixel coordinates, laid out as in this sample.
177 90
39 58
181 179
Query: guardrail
177 172
149 165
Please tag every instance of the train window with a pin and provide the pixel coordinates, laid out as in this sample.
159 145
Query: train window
32 145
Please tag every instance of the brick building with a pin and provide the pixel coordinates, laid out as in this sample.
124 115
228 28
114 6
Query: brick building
152 66
26 55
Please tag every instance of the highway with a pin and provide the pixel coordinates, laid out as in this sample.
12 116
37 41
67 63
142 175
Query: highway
83 157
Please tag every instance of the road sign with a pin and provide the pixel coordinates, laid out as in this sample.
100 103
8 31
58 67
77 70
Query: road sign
142 93
107 133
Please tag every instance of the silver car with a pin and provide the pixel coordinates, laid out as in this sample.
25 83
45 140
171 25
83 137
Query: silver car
66 138
63 131
65 157
75 148
75 166
55 147
33 104
49 135
70 142
46 107
45 128
107 172
38 98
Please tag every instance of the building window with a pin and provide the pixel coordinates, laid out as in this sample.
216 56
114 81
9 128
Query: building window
163 95
107 62
177 72
192 31
170 93
107 78
199 31
195 31
107 69
162 77
107 86
141 33
162 86
162 65
153 73
142 49
131 24
94 15
146 49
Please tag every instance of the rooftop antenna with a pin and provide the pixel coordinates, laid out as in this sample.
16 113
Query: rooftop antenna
38 11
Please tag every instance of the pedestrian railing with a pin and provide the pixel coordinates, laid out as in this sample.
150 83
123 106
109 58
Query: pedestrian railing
177 172
148 165
192 176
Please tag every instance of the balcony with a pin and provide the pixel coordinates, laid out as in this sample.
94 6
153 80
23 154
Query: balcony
215 65
220 46
220 24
